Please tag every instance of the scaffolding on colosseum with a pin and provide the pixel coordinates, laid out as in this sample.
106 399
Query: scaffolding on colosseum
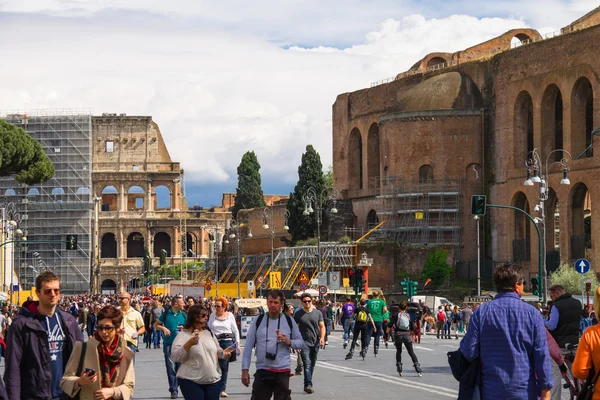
426 212
58 207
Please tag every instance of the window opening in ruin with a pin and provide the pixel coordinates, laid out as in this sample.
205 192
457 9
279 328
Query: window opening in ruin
519 40
522 230
135 245
162 198
373 157
83 190
552 122
162 241
582 119
58 190
581 222
190 244
10 192
136 167
135 198
372 219
426 174
436 61
109 146
355 166
33 192
108 246
523 128
109 199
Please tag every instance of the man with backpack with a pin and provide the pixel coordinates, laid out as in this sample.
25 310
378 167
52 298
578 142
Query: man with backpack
402 326
170 323
360 326
440 321
376 308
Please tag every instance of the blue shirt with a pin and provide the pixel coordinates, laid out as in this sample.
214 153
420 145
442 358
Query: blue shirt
552 323
509 337
56 340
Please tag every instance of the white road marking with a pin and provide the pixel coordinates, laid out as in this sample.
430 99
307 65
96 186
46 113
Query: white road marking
396 381
422 348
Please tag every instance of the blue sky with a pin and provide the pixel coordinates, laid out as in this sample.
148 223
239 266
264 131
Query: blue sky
222 78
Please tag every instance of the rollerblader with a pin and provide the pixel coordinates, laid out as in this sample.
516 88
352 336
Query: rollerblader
402 325
360 326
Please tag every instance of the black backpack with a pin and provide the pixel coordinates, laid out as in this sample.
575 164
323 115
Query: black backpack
262 316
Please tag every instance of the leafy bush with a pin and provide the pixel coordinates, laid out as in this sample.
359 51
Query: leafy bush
570 279
346 239
436 267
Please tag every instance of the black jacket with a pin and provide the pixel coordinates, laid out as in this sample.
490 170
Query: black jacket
468 374
569 316
90 324
28 373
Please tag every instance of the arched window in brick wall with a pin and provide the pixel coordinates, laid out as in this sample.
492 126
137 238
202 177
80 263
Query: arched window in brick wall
372 219
552 122
109 199
162 241
355 167
135 245
521 230
582 118
426 174
108 246
162 198
436 61
135 198
373 157
581 221
523 128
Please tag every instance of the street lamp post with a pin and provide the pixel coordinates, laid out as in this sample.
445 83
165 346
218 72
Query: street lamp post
234 233
318 199
269 221
214 231
540 175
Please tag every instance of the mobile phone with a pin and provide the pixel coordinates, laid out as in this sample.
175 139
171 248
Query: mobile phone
89 371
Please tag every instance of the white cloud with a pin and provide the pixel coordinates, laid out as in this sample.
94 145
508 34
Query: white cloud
216 90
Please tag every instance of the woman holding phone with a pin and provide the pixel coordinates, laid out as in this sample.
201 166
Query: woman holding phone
198 351
222 324
107 367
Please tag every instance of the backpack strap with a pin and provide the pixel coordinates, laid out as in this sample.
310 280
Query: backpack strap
81 357
258 321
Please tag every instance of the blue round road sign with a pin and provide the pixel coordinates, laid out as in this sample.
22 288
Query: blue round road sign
582 266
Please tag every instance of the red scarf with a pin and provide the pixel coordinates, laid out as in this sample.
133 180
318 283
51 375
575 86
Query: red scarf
110 356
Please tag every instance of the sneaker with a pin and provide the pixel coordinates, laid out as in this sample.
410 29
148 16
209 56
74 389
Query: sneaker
327 343
308 389
298 371
173 395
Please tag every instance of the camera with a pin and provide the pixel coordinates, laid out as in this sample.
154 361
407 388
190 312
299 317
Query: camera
271 356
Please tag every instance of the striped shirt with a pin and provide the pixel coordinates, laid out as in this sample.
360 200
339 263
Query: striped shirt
509 337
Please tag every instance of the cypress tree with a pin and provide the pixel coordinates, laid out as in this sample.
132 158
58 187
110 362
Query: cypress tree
249 193
310 174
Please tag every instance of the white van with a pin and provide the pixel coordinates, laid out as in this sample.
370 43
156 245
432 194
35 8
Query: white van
433 302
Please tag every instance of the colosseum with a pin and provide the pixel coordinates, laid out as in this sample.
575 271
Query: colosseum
413 149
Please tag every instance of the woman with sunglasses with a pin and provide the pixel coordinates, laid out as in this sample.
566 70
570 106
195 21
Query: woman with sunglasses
107 369
198 351
222 324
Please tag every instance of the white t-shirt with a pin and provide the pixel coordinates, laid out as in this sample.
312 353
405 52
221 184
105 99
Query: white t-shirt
200 365
226 325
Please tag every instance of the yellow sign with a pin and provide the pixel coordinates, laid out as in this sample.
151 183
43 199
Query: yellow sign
346 282
275 280
419 215
303 277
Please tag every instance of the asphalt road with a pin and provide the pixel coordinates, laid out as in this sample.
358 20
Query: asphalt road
373 378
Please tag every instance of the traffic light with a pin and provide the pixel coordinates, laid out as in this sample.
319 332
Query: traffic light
535 285
413 288
405 286
352 276
71 242
478 203
163 257
359 280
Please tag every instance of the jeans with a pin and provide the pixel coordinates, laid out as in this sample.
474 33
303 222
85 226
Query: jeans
224 363
309 359
194 391
133 348
447 329
379 326
327 328
346 323
156 337
172 368
399 340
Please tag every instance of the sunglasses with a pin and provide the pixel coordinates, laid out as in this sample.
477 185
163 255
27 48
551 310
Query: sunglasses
107 328
48 291
203 315
307 301
218 306
123 298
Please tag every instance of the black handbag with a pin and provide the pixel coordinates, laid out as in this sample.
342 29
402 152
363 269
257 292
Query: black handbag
587 390
79 370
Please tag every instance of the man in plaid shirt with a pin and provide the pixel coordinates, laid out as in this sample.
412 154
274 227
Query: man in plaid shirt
509 337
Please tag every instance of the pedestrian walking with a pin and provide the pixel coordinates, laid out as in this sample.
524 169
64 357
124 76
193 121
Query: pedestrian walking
157 310
508 337
376 308
440 321
347 312
132 323
223 325
39 342
107 368
402 326
170 323
272 335
363 318
92 320
312 328
197 350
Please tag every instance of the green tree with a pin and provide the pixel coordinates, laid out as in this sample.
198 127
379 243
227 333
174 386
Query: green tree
436 267
22 155
570 279
249 193
310 175
329 176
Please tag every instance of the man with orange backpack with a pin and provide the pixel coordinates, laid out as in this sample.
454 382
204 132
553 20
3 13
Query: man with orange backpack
440 321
